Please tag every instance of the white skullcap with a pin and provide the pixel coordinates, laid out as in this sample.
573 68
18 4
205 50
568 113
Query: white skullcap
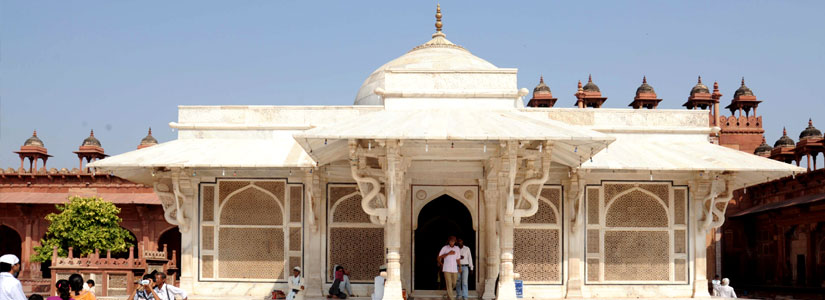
9 259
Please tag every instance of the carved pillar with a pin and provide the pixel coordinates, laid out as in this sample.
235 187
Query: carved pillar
506 178
392 229
313 269
491 201
575 268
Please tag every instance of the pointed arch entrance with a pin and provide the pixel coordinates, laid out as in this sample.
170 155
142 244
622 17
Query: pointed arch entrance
437 220
10 241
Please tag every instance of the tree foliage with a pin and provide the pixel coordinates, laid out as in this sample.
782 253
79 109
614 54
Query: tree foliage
85 224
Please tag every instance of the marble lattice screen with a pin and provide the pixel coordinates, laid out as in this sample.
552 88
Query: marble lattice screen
352 240
537 241
250 230
637 233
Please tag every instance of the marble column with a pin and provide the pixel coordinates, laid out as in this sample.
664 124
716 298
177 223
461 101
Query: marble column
491 196
699 189
506 179
392 229
313 269
575 241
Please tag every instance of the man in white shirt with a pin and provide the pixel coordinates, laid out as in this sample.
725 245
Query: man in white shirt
726 291
165 291
465 265
715 284
449 259
10 287
378 285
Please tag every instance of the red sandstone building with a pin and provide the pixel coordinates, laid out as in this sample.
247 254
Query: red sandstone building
30 192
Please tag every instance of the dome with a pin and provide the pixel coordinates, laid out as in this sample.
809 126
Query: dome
743 90
91 140
437 54
810 132
699 88
784 141
590 86
541 89
149 139
34 141
763 148
644 88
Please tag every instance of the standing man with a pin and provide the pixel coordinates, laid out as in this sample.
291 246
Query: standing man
449 258
165 291
465 265
10 287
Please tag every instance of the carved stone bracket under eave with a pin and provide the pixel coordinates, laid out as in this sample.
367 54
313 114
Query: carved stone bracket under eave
369 187
173 199
715 203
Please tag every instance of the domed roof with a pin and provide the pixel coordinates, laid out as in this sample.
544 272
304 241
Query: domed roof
541 88
34 141
437 54
699 88
784 141
91 140
763 148
149 139
644 88
743 90
810 132
590 86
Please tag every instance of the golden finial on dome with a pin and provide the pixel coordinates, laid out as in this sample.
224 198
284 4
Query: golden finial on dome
438 17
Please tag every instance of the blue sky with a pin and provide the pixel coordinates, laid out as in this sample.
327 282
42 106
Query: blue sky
119 67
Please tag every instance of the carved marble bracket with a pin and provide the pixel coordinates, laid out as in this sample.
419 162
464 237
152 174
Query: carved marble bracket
578 183
172 200
369 187
712 210
524 191
509 160
312 184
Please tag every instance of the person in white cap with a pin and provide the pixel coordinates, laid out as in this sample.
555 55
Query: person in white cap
10 287
296 285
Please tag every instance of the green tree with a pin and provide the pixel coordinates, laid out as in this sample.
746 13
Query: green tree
85 224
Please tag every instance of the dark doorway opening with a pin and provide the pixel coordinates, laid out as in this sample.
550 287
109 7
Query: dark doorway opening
10 241
171 238
438 220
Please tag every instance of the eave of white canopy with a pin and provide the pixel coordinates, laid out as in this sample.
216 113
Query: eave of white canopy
470 132
689 153
276 151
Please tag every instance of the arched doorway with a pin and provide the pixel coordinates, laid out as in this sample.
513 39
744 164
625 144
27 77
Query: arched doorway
10 241
125 254
438 220
171 238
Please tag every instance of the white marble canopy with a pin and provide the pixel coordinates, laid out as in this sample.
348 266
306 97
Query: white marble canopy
572 144
280 151
685 152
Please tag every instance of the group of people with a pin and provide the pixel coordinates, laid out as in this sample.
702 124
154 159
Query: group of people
456 262
10 288
341 287
152 287
722 288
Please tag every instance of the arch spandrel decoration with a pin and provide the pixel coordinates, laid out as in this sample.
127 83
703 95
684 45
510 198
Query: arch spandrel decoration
636 233
352 240
537 246
466 194
248 228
